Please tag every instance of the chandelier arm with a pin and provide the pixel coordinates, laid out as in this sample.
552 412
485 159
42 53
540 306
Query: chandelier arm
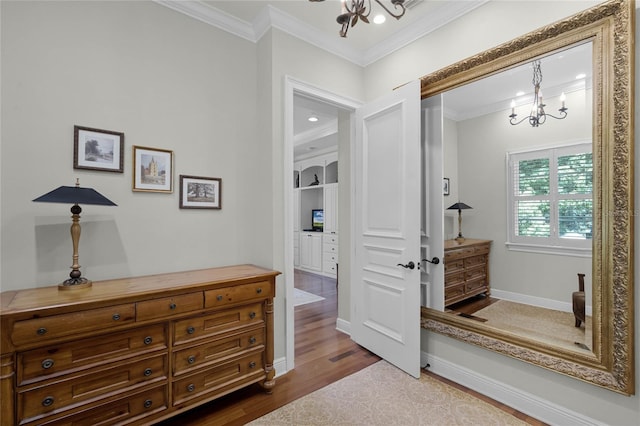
395 5
563 115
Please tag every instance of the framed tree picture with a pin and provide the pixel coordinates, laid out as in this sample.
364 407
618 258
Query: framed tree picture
96 149
152 169
197 192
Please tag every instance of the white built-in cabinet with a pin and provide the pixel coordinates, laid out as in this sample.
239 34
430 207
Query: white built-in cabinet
316 187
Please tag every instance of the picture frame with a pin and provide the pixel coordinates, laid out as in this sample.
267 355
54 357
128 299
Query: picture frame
152 169
198 192
98 149
445 186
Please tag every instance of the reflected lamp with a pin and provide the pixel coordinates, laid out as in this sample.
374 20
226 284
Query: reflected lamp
75 195
459 206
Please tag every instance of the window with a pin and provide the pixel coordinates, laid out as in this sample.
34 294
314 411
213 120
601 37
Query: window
550 200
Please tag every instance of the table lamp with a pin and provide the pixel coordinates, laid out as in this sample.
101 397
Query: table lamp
459 206
75 195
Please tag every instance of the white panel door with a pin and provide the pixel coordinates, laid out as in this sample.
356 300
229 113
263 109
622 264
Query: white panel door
385 316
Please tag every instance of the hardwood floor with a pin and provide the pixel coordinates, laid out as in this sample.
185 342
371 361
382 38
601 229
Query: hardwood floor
323 356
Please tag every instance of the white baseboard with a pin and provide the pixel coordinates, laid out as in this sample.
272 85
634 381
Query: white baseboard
536 301
343 326
525 402
280 365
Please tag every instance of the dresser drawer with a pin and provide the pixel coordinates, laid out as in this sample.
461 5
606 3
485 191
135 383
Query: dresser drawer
330 239
475 260
217 324
453 265
452 292
56 360
122 411
237 294
460 253
330 248
330 267
330 257
476 284
219 380
217 351
168 306
452 279
475 273
100 383
41 330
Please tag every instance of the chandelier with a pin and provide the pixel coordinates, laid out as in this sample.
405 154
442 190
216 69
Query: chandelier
538 116
359 10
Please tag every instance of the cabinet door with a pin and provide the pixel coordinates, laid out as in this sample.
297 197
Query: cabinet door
311 251
331 208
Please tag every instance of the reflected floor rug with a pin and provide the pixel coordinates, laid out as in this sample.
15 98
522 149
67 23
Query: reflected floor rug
546 325
381 394
301 297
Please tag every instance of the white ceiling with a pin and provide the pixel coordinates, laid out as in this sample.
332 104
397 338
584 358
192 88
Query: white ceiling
315 22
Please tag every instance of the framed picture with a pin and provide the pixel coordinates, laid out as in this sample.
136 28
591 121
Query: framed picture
445 186
152 169
96 149
197 192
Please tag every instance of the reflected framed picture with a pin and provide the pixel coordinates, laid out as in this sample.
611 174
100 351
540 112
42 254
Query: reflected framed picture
152 169
197 192
445 186
96 149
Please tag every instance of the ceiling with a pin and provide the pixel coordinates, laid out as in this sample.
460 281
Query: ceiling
315 22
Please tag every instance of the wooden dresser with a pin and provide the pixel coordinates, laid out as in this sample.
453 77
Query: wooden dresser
466 269
134 350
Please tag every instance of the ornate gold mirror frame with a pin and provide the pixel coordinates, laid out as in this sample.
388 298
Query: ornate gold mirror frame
610 27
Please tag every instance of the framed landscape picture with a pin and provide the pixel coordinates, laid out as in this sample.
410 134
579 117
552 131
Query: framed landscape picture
197 192
96 149
152 169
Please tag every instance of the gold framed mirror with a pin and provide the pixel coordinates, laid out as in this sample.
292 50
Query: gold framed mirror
609 30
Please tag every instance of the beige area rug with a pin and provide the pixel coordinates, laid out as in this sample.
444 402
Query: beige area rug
381 394
542 324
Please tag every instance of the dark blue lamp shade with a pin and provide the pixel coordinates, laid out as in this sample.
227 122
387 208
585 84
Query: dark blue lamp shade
75 195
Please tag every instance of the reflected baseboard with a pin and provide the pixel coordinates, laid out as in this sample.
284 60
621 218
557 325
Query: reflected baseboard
537 301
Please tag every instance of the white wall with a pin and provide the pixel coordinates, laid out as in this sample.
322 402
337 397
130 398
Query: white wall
121 66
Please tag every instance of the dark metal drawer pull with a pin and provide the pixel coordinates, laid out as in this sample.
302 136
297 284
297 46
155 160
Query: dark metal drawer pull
219 297
116 317
148 403
48 401
259 290
252 364
172 306
191 387
252 340
191 330
148 340
191 359
41 331
47 363
252 315
147 372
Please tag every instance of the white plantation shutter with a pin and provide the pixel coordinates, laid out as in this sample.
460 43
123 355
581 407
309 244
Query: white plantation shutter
550 199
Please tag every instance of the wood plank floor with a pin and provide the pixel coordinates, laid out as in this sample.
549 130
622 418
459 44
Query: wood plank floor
323 356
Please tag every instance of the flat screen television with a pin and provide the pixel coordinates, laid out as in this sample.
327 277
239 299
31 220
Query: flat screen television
317 219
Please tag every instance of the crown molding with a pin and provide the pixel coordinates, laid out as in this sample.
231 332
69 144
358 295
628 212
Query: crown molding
445 13
272 17
210 15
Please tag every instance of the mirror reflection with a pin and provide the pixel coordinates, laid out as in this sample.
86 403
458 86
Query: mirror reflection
517 153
